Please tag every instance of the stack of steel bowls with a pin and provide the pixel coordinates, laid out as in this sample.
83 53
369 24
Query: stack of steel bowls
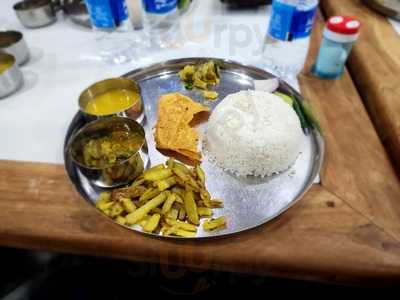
13 53
98 126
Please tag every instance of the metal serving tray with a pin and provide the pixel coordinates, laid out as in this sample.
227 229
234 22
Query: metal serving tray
248 202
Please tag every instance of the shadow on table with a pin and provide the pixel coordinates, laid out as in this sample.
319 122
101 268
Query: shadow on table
27 275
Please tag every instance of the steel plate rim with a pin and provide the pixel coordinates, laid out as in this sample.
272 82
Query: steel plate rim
316 134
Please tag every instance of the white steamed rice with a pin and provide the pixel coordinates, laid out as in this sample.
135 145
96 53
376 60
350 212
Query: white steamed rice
254 133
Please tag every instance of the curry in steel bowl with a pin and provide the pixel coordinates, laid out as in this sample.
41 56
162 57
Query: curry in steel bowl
111 151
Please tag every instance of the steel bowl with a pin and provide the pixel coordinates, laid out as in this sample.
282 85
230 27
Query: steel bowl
13 42
11 78
113 175
135 111
36 13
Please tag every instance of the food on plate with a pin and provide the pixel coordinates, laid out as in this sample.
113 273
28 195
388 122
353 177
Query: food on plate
303 111
211 95
266 85
170 199
254 133
111 149
285 98
174 134
202 76
214 224
111 102
306 115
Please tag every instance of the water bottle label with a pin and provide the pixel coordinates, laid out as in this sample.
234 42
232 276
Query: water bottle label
281 20
120 11
302 22
159 6
100 13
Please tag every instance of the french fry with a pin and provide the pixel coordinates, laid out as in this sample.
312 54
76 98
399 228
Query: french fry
182 167
182 225
138 182
128 205
172 214
170 163
192 182
184 233
206 198
157 167
115 210
154 175
164 184
168 203
200 175
181 174
179 182
157 210
163 229
120 220
191 208
103 198
143 222
128 192
217 203
182 214
104 206
214 224
204 211
168 199
152 223
179 191
142 211
193 174
170 230
190 187
178 198
149 194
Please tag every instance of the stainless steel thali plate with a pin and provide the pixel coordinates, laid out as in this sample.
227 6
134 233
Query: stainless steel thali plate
248 202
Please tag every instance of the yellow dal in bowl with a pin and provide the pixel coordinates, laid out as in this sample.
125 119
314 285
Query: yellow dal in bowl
112 102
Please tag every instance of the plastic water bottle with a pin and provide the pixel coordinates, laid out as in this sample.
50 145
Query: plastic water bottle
108 15
288 37
112 42
161 20
120 14
101 15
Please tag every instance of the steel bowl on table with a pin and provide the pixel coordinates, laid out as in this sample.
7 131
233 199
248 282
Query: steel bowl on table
11 78
134 111
122 171
13 42
36 13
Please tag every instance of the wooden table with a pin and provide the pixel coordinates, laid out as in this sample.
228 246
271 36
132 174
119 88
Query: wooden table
374 65
345 230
